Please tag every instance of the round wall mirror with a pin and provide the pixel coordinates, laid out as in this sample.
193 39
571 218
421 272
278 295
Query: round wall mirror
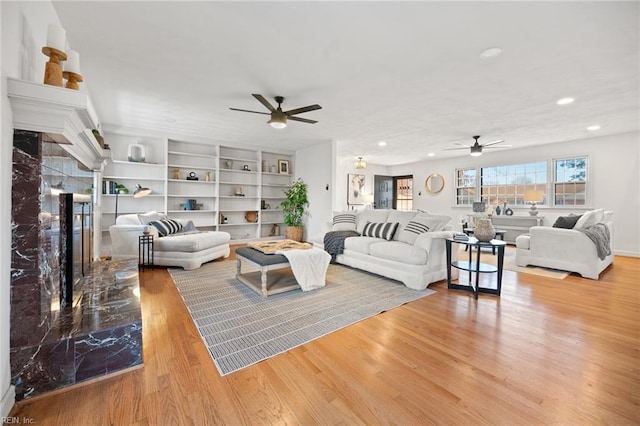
434 183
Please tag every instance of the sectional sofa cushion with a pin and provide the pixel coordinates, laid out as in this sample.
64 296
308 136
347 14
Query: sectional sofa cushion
360 244
385 230
399 252
191 243
566 222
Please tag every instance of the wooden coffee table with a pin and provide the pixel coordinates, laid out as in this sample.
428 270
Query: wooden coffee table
279 279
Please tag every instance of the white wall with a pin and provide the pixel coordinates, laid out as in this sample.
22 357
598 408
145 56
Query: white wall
24 32
314 165
614 181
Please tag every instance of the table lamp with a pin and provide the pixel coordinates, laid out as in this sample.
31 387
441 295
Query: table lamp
533 197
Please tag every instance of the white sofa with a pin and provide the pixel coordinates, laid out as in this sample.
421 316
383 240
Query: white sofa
566 249
416 264
189 248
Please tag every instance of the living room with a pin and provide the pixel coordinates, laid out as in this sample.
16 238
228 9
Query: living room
612 151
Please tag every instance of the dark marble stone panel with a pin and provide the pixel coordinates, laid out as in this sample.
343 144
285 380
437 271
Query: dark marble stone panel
108 351
28 141
42 368
26 239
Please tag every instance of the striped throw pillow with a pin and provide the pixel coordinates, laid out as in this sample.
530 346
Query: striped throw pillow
384 230
344 222
166 226
416 226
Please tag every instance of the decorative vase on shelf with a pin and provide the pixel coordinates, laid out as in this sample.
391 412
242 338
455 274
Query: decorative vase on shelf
265 166
484 230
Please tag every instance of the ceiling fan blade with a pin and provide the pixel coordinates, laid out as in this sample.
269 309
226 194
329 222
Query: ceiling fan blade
264 102
246 110
461 144
452 149
303 109
303 120
493 142
501 146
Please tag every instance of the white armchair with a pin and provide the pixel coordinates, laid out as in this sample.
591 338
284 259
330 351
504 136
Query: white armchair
188 248
565 249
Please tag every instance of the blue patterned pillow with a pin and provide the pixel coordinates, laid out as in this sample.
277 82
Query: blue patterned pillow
384 230
166 226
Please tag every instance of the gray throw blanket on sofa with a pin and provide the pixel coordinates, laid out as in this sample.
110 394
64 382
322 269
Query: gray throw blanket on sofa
599 234
334 242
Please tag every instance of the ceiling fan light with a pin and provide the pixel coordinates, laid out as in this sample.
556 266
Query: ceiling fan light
476 151
278 120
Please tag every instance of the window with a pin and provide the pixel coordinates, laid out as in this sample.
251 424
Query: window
570 181
465 187
403 192
507 184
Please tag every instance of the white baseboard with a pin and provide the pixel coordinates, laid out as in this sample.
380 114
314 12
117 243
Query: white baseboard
7 402
626 253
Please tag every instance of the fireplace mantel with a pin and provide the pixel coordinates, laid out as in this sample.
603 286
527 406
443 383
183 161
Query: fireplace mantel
65 115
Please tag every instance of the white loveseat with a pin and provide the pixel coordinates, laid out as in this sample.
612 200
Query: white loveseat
567 249
416 263
189 248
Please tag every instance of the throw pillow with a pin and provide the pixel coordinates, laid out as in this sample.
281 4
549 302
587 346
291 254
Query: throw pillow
441 220
566 222
384 230
418 225
344 222
166 226
147 218
590 218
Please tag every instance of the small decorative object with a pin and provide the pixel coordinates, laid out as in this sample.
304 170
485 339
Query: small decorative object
136 153
498 210
71 70
283 167
246 168
275 230
238 192
176 174
265 166
274 168
207 176
147 230
508 211
56 40
251 217
504 207
263 204
192 176
191 205
229 164
99 138
484 230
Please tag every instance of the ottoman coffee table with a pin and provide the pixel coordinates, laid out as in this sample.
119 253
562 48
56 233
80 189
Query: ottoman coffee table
280 279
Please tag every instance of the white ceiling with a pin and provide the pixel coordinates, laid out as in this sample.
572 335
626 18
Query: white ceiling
409 73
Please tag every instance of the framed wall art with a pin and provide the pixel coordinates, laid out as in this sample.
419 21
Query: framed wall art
283 167
355 189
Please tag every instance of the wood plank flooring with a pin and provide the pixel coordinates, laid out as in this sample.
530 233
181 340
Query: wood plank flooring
546 352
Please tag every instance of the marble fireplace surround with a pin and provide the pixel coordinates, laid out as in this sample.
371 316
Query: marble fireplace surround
53 346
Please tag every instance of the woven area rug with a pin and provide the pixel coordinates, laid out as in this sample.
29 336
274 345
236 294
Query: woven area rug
240 328
510 264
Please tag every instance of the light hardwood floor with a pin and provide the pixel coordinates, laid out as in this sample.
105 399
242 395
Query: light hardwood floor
546 352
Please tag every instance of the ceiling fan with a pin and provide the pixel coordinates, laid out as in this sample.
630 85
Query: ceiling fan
476 148
279 118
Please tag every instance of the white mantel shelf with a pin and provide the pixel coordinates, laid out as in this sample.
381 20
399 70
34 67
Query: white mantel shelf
64 114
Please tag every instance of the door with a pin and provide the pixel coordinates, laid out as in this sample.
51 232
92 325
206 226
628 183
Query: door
383 192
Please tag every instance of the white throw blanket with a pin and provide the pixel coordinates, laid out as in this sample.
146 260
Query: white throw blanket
309 267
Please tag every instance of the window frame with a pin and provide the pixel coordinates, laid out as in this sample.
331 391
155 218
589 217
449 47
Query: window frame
396 198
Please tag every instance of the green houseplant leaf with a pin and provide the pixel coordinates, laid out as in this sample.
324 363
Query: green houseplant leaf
293 207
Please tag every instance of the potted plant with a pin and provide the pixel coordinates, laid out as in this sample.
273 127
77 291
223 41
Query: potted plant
293 208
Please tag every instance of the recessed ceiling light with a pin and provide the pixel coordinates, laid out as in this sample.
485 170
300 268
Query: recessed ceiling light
565 101
593 128
382 143
431 154
492 52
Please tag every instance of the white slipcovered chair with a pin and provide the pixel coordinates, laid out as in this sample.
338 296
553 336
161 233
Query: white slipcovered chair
189 248
568 249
